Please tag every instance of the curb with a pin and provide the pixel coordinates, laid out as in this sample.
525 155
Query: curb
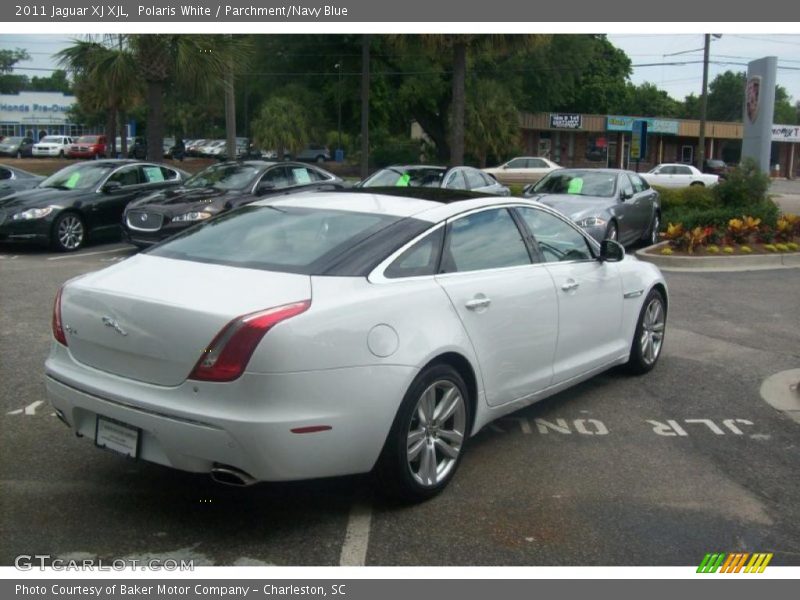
719 263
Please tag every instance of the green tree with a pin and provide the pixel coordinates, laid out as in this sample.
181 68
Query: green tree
492 121
10 83
646 100
726 100
282 123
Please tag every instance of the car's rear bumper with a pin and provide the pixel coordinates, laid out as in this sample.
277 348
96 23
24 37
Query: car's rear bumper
247 423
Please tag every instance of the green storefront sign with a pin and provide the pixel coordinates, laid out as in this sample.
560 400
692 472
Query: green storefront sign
660 126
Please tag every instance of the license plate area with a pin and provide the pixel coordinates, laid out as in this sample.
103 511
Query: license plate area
117 436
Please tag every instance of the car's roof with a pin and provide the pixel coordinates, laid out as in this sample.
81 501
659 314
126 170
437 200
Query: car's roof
411 167
591 170
398 206
673 165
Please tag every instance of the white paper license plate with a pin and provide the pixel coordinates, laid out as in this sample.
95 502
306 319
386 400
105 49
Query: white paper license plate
117 436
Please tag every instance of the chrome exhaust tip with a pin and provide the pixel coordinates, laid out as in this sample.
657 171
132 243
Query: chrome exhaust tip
228 475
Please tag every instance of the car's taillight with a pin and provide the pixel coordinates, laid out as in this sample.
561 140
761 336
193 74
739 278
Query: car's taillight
227 356
58 327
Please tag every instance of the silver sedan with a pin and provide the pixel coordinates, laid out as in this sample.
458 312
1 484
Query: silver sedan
608 203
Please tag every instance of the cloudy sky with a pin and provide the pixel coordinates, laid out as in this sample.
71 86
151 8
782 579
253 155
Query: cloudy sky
646 51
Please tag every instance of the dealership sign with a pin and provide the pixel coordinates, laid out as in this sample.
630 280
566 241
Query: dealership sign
566 121
27 108
663 126
786 133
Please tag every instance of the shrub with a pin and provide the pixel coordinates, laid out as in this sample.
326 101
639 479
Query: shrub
694 196
713 249
793 246
719 216
745 186
745 249
728 249
396 152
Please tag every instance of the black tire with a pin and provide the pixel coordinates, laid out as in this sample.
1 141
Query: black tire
612 232
395 470
641 359
68 233
696 183
61 154
651 235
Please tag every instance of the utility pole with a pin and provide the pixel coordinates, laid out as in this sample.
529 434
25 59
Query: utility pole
230 106
339 102
701 150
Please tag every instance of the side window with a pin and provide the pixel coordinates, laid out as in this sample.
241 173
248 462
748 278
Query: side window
455 181
558 241
420 259
517 163
667 171
152 174
537 163
127 176
488 239
169 174
278 177
639 184
303 176
474 179
4 173
683 170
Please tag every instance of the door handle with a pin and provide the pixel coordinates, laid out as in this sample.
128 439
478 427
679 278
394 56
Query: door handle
570 285
477 303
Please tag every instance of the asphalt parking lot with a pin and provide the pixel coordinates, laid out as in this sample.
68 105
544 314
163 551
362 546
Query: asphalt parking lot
656 470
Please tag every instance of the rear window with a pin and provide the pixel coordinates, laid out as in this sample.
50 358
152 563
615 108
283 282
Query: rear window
295 240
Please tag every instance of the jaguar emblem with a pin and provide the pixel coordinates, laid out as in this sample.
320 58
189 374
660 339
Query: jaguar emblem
109 322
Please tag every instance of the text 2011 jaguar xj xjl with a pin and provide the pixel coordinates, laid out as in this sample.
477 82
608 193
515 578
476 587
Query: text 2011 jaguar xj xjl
335 333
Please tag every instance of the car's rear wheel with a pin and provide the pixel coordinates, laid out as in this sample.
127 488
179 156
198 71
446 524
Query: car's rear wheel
648 339
426 442
696 183
69 232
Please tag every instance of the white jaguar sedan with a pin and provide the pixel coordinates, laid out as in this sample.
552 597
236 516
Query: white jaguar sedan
335 333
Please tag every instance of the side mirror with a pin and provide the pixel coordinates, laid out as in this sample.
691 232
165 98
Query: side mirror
611 251
623 195
112 186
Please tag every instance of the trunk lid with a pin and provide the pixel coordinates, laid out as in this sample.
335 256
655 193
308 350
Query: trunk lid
150 318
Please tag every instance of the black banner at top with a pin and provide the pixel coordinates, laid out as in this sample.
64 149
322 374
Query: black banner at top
409 11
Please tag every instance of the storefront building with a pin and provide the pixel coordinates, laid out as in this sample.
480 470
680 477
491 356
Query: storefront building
579 140
37 114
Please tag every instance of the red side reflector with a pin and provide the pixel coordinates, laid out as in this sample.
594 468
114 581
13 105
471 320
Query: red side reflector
311 429
227 356
58 327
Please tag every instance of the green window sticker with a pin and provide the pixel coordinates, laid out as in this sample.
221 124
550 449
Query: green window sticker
153 174
575 186
404 180
73 180
301 175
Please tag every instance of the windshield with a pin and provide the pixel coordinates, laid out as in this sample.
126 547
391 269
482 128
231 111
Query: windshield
289 239
87 139
83 176
224 177
578 183
50 139
400 177
11 140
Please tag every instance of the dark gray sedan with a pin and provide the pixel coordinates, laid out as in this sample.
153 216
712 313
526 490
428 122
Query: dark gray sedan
607 203
16 180
455 178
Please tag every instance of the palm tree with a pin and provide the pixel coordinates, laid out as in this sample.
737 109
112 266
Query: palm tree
281 124
106 78
365 58
199 62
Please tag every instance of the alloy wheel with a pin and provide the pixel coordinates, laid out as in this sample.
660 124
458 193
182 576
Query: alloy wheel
653 330
70 232
436 433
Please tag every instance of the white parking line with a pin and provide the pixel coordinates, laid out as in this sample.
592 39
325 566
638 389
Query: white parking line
88 254
356 538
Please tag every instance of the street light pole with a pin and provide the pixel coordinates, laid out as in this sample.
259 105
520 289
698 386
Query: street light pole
701 154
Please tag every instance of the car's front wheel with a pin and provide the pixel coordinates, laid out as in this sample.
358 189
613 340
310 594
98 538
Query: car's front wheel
648 339
69 232
426 442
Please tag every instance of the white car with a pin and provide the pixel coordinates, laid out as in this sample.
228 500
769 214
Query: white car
522 170
52 145
676 175
329 334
